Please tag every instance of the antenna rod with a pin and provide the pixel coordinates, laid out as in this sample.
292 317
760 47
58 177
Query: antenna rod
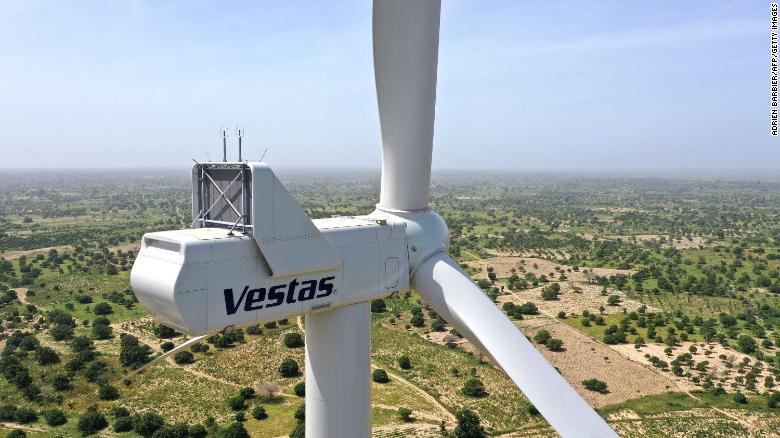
223 130
240 134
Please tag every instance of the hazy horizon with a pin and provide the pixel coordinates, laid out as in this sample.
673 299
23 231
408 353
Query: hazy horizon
540 86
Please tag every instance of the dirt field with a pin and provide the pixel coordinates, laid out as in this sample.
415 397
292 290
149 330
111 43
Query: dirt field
569 301
668 241
504 264
717 369
585 358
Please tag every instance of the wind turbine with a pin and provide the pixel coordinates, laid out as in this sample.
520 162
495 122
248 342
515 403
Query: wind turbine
255 256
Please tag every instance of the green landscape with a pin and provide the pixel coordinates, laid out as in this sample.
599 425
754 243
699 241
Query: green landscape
657 298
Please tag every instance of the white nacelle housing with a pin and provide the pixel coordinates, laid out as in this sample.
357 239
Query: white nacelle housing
203 280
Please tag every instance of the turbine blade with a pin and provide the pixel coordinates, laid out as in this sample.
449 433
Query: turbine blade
168 353
453 294
406 45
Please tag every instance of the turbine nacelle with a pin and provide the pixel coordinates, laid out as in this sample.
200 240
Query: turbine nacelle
204 280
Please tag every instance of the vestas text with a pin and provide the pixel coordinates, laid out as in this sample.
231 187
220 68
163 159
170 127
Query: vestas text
256 299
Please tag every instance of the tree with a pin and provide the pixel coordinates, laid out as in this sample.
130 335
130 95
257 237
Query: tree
197 431
473 387
25 415
289 368
108 392
746 344
404 362
147 424
300 389
55 417
234 430
417 320
258 413
437 325
123 424
554 344
613 300
300 413
61 332
46 356
380 376
162 331
103 309
595 385
740 398
773 400
183 357
16 433
551 292
237 403
378 306
92 421
542 336
131 353
299 431
293 340
102 331
405 414
468 425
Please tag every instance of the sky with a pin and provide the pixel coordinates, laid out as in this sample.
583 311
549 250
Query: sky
522 85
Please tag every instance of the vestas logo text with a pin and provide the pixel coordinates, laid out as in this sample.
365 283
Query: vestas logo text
255 299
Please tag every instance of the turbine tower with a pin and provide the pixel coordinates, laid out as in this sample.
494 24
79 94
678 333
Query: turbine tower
253 255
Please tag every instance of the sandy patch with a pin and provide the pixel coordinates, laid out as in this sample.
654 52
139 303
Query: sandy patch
585 358
717 369
570 301
503 266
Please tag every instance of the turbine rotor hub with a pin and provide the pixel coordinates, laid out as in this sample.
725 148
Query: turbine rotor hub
426 232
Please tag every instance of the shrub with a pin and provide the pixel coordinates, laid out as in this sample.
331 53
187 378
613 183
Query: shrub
404 362
234 430
542 336
61 382
108 392
258 413
25 415
183 357
468 425
247 392
254 330
123 424
7 412
773 400
55 417
740 398
417 320
289 368
437 325
197 431
595 385
29 343
378 306
16 433
300 413
293 340
147 424
561 315
473 387
380 376
236 403
300 389
299 431
405 414
167 346
92 421
613 300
